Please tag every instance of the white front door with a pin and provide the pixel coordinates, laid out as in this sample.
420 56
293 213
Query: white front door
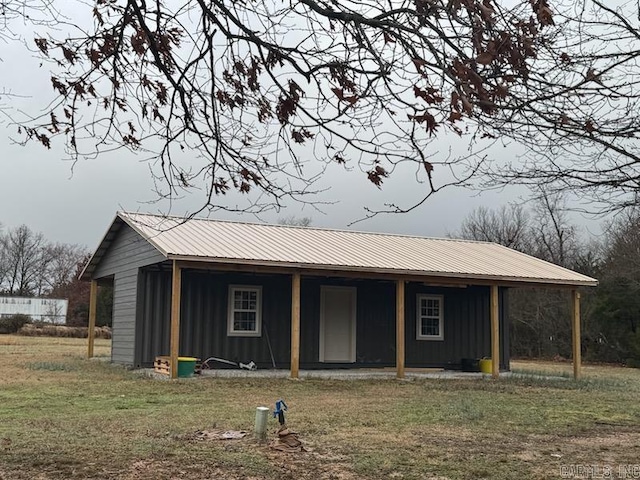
338 324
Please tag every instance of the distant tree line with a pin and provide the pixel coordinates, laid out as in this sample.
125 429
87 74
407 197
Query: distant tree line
32 266
540 317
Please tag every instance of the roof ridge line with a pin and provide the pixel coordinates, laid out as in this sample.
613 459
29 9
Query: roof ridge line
299 227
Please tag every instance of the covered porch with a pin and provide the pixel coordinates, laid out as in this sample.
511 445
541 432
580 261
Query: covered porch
177 273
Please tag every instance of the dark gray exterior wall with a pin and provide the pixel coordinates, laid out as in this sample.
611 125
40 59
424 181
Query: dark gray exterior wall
467 327
203 324
126 254
203 330
375 321
467 324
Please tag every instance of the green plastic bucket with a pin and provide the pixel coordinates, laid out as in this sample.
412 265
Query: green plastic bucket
186 366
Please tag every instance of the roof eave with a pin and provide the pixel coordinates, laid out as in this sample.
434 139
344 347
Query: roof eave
393 273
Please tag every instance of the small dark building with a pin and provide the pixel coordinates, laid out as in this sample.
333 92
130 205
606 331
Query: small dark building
310 298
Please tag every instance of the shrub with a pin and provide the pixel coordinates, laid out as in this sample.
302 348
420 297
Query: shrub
13 323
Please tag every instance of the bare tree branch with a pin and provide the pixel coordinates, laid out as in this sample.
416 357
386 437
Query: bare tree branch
260 97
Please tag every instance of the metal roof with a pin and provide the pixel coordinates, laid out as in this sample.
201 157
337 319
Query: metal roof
338 250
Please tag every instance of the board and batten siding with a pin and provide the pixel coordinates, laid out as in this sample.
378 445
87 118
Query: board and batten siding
466 324
203 326
375 321
122 260
203 322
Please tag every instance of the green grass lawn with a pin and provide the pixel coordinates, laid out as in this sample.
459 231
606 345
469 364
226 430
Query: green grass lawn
65 417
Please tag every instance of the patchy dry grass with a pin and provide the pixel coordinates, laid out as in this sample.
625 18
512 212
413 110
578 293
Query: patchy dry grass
64 417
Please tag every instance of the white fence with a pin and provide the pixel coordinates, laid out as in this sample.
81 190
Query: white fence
51 310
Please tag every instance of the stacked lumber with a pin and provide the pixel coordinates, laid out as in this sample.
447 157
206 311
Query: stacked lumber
162 364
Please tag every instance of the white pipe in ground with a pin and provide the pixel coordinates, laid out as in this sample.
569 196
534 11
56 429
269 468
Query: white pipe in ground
262 414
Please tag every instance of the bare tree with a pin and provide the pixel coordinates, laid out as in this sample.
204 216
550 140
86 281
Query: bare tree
622 258
296 221
63 264
77 292
26 260
554 236
582 135
16 13
508 226
539 317
31 265
4 266
617 312
33 12
259 97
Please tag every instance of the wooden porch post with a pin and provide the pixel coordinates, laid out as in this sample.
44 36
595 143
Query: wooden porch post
495 333
176 285
295 325
400 328
577 354
93 305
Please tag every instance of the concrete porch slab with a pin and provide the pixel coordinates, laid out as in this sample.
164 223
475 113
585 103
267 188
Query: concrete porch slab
336 374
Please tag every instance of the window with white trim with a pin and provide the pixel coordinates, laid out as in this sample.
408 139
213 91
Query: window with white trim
430 315
245 311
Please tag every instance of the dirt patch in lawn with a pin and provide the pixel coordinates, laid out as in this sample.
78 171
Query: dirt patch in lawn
548 455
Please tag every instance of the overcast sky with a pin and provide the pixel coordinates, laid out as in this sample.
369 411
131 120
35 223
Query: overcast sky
38 187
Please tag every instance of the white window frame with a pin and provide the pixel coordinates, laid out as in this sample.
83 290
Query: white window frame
231 332
440 299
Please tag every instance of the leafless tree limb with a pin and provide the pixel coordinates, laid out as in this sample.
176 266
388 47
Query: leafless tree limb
259 97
